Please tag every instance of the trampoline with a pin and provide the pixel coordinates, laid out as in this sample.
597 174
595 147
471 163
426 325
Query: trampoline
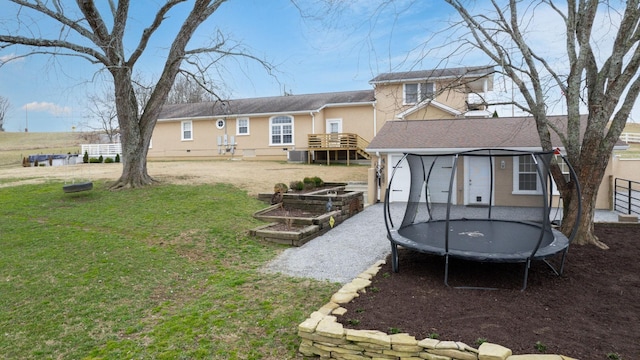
483 232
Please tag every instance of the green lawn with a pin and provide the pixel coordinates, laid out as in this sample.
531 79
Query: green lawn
164 272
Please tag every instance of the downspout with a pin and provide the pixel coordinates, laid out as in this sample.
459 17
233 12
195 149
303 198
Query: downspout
313 122
375 119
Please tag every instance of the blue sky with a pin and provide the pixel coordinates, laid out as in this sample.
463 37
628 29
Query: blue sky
341 53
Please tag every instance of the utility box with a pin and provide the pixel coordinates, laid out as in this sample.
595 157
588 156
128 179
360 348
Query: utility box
297 156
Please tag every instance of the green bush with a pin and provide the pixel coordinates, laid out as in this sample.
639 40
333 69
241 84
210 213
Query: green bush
309 183
297 185
117 158
318 181
94 161
100 159
108 160
85 157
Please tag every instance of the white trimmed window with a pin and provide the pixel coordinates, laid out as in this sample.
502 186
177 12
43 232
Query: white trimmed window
417 92
187 130
242 126
281 130
525 176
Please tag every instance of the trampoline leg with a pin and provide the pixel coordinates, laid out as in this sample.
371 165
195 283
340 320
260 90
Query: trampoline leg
394 257
446 270
564 256
526 274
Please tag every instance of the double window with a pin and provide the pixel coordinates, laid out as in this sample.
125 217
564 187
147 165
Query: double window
281 130
417 92
187 130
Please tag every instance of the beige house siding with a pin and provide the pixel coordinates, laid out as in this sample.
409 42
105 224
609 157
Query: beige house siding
628 169
167 143
390 103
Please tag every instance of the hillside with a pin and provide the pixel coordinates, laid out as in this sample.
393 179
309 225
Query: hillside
16 145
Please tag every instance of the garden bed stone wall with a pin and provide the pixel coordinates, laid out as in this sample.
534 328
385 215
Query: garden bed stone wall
324 337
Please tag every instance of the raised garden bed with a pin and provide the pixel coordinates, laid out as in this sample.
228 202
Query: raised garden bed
302 217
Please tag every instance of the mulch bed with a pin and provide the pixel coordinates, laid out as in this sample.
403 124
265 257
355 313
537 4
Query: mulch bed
592 311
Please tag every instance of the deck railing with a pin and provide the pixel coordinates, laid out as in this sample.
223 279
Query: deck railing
630 137
626 197
336 141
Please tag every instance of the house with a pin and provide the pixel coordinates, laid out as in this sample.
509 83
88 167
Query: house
441 138
324 127
424 111
296 127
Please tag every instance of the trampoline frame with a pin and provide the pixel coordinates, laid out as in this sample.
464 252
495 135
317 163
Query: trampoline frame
560 243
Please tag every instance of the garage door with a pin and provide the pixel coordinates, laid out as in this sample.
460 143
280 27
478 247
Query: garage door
438 182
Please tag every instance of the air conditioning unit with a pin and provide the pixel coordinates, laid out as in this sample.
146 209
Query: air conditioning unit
297 156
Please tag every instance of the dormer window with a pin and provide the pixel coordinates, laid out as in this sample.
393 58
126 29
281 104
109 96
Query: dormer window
418 92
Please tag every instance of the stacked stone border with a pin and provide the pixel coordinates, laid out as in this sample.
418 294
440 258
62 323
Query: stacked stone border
323 336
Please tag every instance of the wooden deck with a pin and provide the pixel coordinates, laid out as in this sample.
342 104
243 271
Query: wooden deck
338 145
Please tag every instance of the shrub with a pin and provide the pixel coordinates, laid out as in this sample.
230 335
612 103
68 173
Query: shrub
94 161
280 187
100 159
309 183
117 158
108 160
297 185
85 157
318 181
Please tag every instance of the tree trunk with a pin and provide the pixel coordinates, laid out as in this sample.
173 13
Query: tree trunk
136 133
134 166
590 175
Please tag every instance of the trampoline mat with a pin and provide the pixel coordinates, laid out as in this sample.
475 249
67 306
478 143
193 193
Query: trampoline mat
482 240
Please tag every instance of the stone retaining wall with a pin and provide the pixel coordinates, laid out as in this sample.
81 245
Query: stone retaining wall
323 336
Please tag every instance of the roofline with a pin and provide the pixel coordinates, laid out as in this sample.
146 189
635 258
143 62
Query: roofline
407 80
426 103
359 103
436 151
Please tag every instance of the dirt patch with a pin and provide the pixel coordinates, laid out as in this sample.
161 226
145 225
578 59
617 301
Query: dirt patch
591 311
253 176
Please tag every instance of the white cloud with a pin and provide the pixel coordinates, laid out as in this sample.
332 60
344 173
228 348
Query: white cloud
10 57
48 107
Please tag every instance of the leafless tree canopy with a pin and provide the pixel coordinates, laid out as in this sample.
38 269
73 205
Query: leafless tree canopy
603 82
96 31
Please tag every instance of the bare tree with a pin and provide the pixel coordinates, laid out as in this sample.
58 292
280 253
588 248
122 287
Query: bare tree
102 108
4 107
98 36
606 82
188 90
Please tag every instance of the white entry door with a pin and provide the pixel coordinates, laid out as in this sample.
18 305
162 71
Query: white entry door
334 126
478 180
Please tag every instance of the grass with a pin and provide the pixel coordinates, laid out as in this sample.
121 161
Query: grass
16 145
163 272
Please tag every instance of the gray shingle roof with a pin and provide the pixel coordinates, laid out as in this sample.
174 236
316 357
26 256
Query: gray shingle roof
265 105
434 74
424 135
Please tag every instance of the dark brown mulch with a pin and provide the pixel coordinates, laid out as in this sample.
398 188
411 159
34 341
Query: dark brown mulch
591 312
